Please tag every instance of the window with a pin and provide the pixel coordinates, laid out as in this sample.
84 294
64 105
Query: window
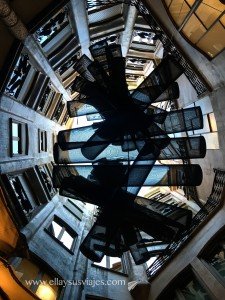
112 263
212 122
21 194
18 138
58 111
74 209
215 256
46 180
46 100
186 286
63 233
151 261
42 140
203 27
54 138
26 271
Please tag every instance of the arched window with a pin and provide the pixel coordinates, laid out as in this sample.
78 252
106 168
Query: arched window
202 22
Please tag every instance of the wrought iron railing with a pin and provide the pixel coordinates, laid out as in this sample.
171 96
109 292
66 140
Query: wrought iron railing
212 205
52 27
18 76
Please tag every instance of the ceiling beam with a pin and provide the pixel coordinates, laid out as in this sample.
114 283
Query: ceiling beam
126 36
80 18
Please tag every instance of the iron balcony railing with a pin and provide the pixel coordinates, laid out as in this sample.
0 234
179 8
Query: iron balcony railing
212 205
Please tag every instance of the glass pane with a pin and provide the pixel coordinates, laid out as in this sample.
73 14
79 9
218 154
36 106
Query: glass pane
46 292
217 258
67 240
212 122
151 261
56 229
212 43
190 2
178 10
115 264
194 291
15 149
207 14
15 129
167 2
216 4
194 29
222 20
102 263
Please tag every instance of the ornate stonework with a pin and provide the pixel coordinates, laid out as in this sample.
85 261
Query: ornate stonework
4 9
11 20
19 31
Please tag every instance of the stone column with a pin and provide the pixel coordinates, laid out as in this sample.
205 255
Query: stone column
11 20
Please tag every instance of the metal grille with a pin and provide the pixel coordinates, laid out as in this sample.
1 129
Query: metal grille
18 76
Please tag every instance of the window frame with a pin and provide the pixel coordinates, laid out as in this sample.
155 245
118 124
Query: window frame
22 138
65 228
42 141
180 27
108 268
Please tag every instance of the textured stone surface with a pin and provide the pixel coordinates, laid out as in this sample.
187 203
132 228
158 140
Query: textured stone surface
10 108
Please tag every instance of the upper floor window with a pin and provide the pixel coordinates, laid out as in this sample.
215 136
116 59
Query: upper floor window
63 233
112 263
201 22
42 140
74 209
18 138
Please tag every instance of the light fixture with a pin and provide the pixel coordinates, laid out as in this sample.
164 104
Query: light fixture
45 292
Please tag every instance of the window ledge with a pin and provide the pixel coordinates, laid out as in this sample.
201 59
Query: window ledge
109 270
